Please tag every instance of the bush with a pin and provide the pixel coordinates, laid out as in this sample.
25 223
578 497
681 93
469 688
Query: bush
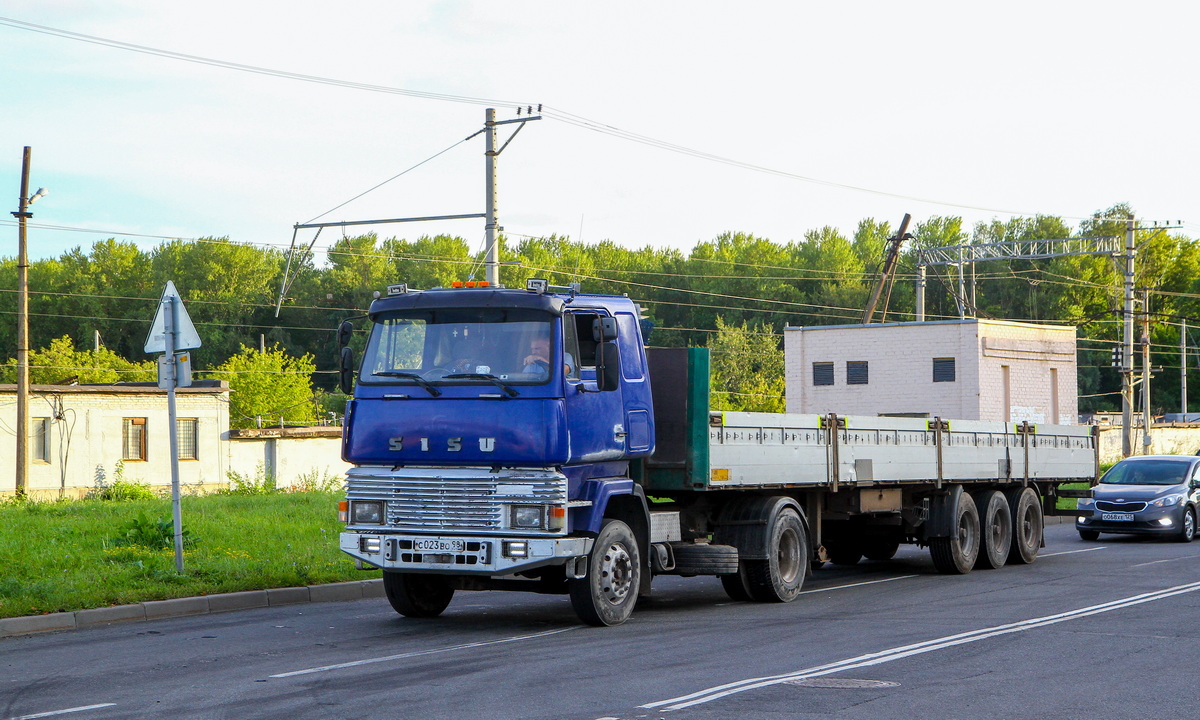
263 483
121 489
151 534
317 481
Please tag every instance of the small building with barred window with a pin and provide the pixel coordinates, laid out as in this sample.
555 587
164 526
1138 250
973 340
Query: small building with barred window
86 436
969 369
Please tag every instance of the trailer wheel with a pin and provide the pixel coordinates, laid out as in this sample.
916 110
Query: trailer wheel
1027 524
955 555
417 596
881 549
995 521
607 594
780 577
844 552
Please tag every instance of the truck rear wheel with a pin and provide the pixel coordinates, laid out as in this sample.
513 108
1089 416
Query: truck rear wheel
955 555
417 596
780 577
881 549
1027 522
607 594
995 520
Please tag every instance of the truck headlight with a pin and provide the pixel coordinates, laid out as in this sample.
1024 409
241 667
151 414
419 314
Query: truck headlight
528 517
368 512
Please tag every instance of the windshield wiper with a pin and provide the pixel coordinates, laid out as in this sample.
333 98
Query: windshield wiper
410 376
485 376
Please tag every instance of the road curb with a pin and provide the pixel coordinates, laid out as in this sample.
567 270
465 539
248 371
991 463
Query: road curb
180 607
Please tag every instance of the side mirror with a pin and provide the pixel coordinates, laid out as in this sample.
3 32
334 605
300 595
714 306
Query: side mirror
346 371
604 329
344 331
608 367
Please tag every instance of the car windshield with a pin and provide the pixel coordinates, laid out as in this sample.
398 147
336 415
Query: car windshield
1147 472
505 346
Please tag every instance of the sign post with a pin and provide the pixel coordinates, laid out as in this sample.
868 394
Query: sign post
172 331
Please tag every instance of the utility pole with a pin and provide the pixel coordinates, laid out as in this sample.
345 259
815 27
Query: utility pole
1145 341
1183 368
1127 345
889 268
491 225
22 215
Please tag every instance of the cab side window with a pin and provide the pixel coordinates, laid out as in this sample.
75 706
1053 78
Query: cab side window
581 324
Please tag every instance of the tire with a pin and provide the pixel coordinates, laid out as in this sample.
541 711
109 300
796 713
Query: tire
780 577
881 549
417 596
1187 529
956 555
735 586
844 552
607 594
1089 535
1027 521
996 529
705 559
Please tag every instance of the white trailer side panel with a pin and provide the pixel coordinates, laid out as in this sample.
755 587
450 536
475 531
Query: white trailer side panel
770 450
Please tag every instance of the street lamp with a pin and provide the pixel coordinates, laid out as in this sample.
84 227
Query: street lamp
23 214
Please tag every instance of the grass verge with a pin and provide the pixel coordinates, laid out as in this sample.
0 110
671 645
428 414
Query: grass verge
68 555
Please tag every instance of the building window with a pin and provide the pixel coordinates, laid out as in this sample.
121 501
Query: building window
943 369
185 437
856 372
41 439
133 438
823 373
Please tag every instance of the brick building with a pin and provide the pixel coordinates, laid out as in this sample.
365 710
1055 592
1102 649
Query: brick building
969 369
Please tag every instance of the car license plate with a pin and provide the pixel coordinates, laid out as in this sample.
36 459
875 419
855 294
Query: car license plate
442 545
1120 517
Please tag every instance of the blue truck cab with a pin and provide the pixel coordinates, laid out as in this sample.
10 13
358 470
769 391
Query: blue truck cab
492 432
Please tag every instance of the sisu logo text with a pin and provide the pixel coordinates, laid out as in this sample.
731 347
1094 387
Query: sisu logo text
454 444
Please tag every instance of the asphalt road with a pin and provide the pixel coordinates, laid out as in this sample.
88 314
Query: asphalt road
1106 629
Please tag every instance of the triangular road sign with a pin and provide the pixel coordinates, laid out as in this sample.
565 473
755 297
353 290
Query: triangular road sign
186 337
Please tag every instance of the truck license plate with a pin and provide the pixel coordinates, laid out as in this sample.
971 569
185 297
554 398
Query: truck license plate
1122 517
440 545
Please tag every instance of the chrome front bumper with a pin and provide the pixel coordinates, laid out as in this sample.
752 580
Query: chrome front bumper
461 554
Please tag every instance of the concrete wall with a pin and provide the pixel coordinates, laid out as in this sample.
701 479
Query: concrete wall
86 441
1040 362
86 435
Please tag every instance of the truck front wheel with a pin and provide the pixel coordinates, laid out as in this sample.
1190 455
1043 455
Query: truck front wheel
417 596
607 594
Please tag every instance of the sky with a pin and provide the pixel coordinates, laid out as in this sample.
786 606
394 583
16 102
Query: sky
664 124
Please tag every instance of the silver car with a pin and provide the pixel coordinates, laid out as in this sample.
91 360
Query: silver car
1146 495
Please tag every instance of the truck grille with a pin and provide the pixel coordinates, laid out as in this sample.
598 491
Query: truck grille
443 499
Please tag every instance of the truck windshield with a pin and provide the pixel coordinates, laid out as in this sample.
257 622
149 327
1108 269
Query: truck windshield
460 346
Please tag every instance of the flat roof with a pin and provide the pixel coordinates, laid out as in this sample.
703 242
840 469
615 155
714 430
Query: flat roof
913 323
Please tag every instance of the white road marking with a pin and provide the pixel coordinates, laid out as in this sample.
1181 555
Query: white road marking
1072 552
52 713
1155 562
854 585
898 653
417 653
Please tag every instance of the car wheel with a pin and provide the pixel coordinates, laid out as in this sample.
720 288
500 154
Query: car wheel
1187 529
1089 535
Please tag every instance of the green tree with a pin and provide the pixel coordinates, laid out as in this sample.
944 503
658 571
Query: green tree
268 385
746 368
61 363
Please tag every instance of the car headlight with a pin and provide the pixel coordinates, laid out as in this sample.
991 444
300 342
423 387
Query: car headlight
369 512
1167 501
528 517
1085 503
